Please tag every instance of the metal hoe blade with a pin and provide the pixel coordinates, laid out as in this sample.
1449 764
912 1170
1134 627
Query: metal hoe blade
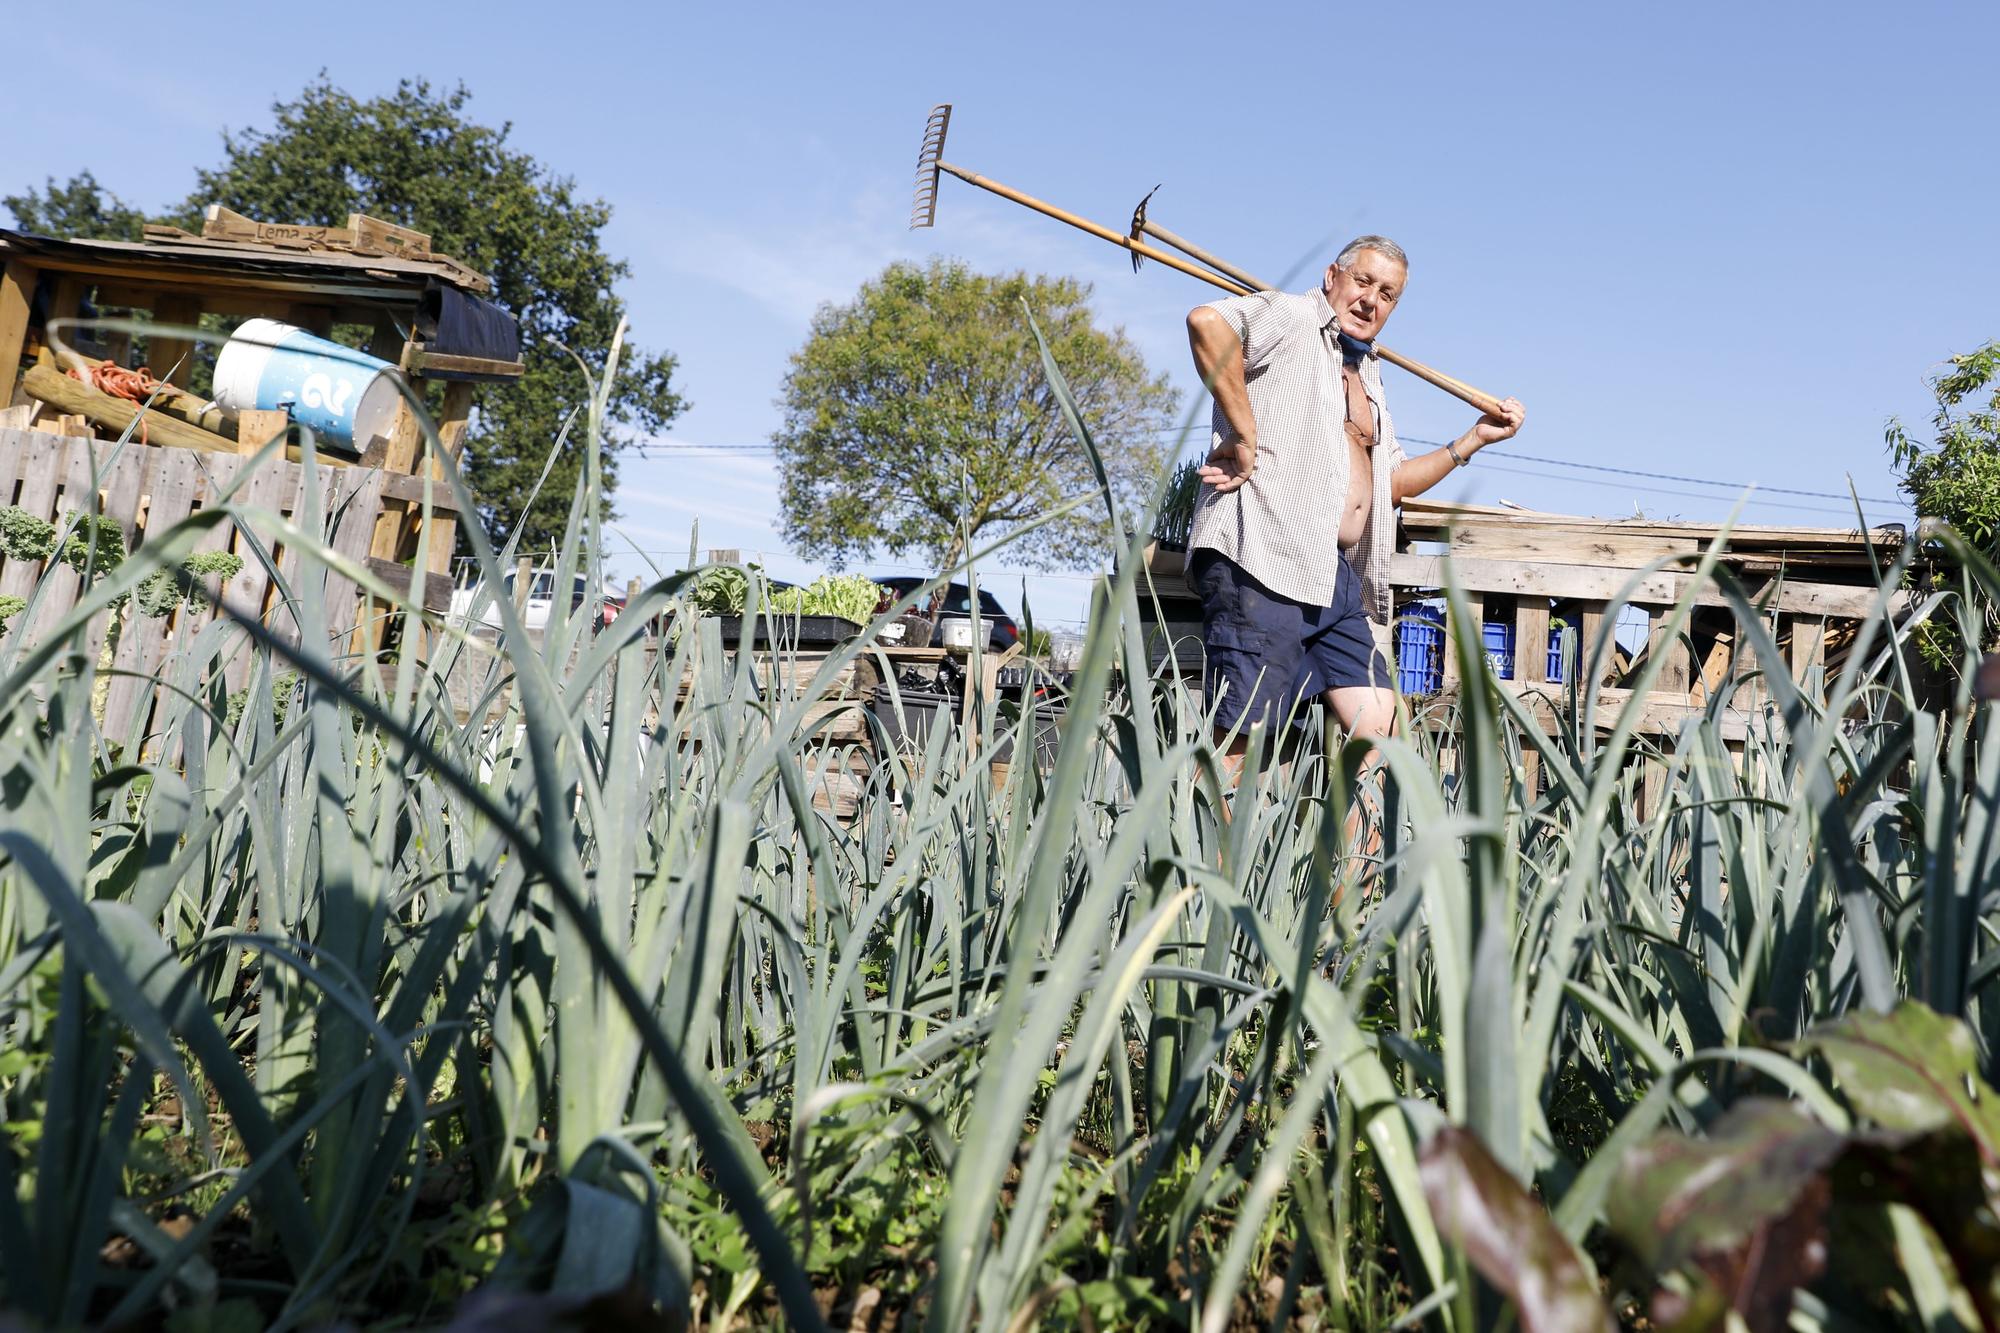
1139 225
923 211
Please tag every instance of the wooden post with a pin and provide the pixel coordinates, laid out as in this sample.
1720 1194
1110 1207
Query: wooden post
1531 667
1449 677
67 300
1586 640
1652 785
1673 677
315 319
172 359
1714 670
1808 645
387 344
457 411
255 429
451 434
17 288
1531 642
392 526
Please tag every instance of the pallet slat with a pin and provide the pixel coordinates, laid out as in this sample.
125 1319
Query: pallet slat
1600 583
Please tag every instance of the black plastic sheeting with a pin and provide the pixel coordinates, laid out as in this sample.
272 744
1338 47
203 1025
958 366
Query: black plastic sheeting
454 324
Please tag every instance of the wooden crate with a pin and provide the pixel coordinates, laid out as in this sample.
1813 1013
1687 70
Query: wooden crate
1524 569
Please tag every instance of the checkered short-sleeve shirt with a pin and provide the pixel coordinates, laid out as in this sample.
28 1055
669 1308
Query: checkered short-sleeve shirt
1283 525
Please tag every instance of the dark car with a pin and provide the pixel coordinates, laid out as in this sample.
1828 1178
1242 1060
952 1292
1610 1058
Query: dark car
1001 631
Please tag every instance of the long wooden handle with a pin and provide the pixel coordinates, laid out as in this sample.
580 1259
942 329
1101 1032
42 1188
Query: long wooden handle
1216 262
1102 233
1458 389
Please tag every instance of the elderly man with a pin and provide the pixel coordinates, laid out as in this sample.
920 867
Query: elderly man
1295 523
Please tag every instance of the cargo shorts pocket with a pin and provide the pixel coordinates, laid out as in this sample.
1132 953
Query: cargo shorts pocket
1251 640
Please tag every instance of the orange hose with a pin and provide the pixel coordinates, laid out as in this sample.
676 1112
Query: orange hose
135 386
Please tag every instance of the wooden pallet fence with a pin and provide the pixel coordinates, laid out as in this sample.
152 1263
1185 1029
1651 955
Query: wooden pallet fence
1524 570
146 490
780 677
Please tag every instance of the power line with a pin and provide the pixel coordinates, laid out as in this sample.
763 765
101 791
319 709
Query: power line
1633 472
1661 490
874 566
757 450
1668 476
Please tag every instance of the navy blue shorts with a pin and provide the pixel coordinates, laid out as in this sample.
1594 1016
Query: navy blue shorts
1265 651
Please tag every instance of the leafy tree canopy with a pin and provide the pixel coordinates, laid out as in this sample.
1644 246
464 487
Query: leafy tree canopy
1957 476
917 415
415 158
80 208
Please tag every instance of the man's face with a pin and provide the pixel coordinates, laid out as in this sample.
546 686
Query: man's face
1365 292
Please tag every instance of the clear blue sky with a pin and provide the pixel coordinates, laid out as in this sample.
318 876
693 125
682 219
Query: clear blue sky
1723 242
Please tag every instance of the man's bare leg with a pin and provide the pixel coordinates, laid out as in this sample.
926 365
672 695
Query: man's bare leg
1234 749
1369 712
1364 710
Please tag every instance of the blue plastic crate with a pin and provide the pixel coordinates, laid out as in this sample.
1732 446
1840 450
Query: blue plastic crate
1498 639
1420 650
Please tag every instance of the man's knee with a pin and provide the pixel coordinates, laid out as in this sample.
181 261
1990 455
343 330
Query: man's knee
1364 710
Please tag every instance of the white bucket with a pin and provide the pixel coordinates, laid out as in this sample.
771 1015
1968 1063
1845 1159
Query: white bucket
344 396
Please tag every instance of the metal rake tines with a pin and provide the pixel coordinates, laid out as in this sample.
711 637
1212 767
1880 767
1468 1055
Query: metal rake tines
923 211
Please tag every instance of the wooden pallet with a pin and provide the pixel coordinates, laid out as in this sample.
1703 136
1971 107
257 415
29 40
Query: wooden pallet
147 489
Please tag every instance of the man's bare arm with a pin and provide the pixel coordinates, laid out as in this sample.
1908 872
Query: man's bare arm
1218 359
1414 476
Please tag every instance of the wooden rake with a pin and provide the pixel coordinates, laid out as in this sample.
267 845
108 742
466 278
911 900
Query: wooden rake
1210 269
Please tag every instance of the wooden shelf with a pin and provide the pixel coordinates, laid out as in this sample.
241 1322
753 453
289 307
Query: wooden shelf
439 366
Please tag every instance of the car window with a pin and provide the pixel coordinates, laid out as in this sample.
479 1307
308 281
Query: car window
990 604
959 601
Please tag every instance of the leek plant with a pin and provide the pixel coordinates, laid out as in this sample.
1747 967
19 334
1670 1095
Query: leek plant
568 985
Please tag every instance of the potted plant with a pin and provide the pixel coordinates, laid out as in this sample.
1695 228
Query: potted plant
1166 554
828 611
1169 608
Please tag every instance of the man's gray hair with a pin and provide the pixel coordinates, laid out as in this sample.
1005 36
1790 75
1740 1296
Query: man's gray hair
1380 244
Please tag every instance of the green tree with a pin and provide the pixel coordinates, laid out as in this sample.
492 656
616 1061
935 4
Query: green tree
1957 476
917 416
80 208
414 157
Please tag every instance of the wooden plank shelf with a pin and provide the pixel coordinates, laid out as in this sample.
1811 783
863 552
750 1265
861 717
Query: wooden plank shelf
1602 583
1521 571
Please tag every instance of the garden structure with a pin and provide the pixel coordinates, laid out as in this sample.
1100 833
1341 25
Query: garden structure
1528 576
69 448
